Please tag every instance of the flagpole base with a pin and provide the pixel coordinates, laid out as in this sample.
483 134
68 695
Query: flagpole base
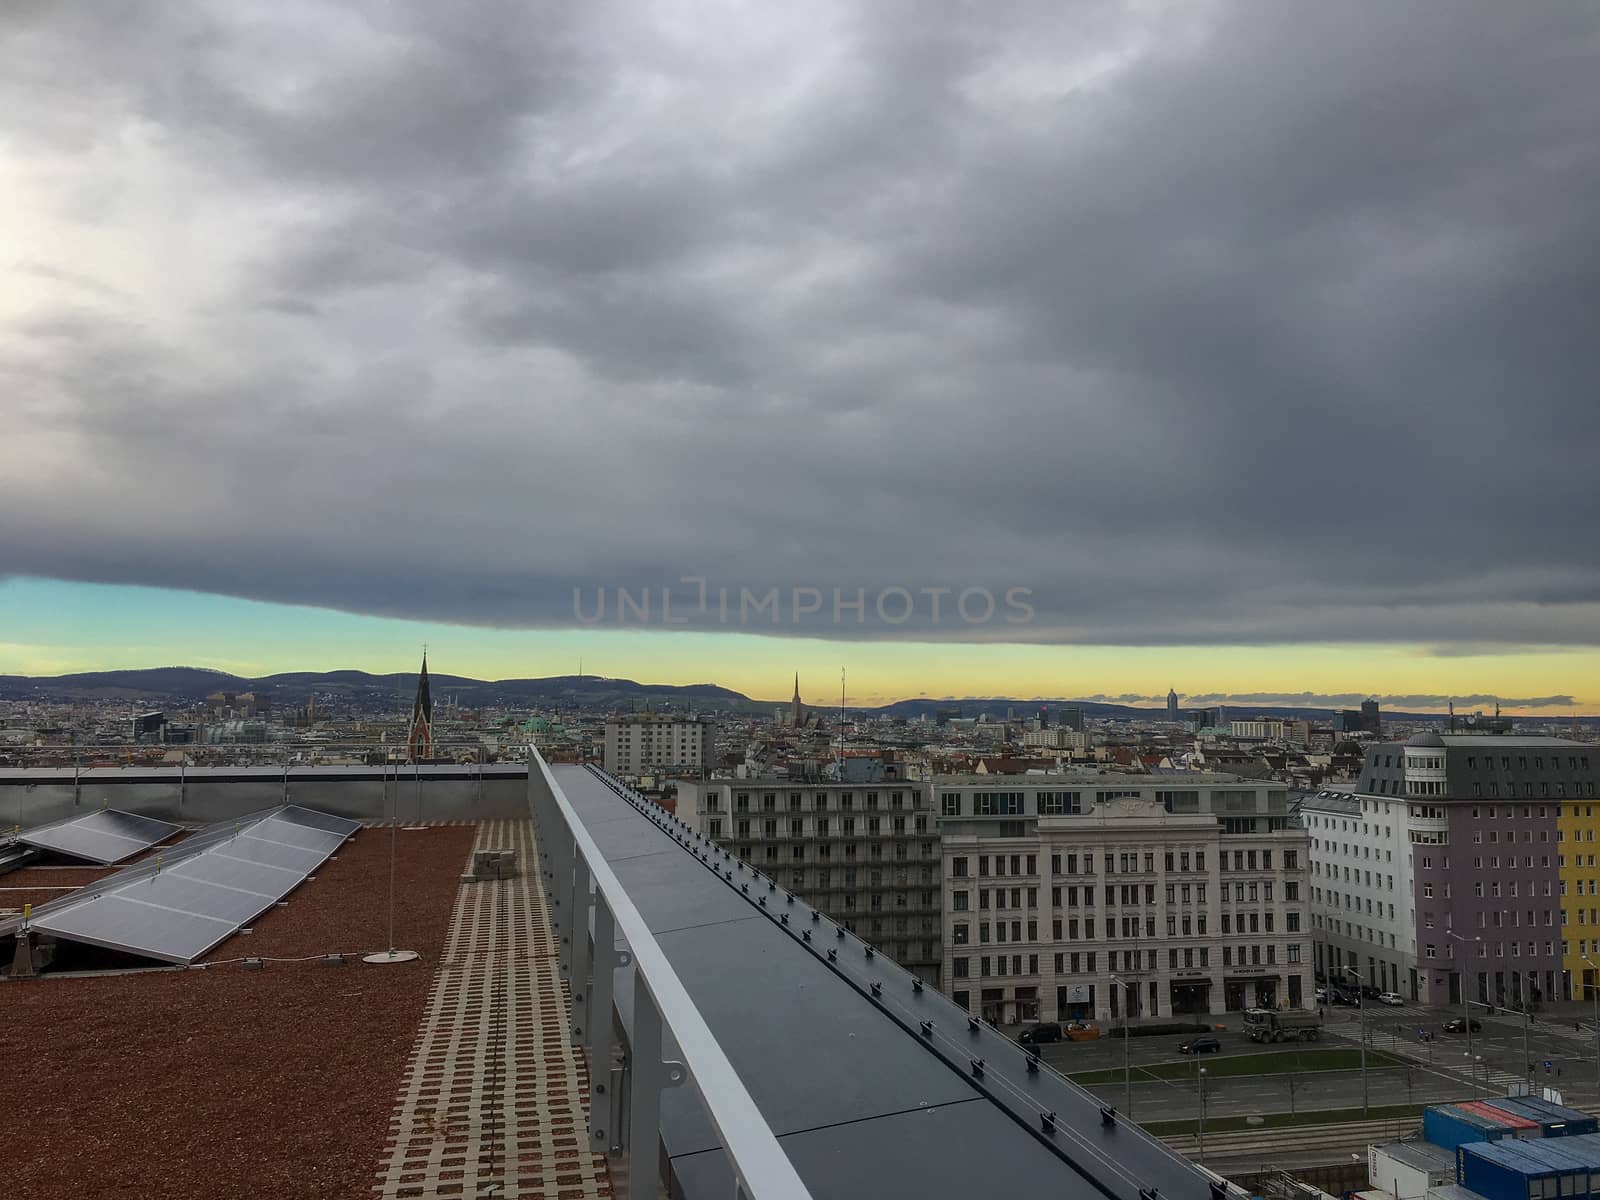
391 956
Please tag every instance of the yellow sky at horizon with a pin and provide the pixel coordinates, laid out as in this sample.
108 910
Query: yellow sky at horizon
54 628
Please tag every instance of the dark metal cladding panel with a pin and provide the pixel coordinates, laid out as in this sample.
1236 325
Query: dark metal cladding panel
810 1050
956 1150
668 889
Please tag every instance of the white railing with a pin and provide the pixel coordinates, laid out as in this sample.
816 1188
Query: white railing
585 895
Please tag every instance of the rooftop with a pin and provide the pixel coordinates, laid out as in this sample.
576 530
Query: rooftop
226 1082
1095 777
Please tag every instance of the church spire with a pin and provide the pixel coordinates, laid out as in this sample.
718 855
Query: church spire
420 737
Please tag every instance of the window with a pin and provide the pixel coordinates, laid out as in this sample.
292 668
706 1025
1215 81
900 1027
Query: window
1051 804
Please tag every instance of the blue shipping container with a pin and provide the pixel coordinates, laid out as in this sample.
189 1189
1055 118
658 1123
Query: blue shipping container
1541 1169
1501 1171
1584 1145
1448 1126
1558 1120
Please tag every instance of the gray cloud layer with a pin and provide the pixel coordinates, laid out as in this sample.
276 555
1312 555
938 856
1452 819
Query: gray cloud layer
1219 323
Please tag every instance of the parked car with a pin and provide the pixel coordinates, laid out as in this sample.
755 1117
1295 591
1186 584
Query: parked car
1341 998
1322 994
1037 1035
1370 992
1390 998
1200 1045
1462 1024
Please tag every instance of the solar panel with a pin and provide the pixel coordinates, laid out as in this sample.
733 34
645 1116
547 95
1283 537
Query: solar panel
208 887
289 834
271 853
313 819
105 836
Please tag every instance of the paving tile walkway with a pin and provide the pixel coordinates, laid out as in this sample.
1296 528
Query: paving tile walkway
493 1103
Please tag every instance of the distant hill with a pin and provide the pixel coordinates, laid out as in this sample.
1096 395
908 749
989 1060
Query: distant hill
191 684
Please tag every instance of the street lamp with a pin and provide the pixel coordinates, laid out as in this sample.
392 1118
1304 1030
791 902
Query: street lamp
1527 1019
1466 1011
1127 1070
1361 1007
1200 1157
1594 990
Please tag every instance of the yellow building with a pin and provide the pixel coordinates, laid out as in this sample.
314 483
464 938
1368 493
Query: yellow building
1578 836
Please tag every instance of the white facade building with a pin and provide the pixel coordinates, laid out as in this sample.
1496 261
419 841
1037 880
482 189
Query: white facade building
1262 729
1090 894
641 743
1362 914
1056 739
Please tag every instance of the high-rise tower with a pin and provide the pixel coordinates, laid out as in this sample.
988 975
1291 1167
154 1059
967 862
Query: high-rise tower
1172 705
420 738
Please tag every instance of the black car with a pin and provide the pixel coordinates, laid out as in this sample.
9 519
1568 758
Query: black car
1200 1045
1037 1035
1461 1025
1342 998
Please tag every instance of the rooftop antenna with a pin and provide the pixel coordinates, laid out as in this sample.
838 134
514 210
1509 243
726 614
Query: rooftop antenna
841 725
391 955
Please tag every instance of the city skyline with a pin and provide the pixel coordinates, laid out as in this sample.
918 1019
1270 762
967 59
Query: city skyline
57 628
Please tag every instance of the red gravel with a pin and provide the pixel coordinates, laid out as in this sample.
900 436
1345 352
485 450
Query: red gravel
40 885
225 1084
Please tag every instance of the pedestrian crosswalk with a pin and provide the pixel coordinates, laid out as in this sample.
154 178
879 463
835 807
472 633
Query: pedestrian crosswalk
1499 1083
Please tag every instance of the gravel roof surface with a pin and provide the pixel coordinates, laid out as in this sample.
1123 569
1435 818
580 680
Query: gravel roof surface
226 1083
40 885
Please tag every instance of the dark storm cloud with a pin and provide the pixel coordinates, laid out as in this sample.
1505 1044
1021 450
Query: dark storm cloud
1223 323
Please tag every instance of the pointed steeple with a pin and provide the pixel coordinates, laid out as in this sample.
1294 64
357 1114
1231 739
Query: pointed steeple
420 738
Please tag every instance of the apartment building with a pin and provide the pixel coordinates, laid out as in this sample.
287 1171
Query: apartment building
1095 894
1460 858
1262 729
1057 739
641 743
867 855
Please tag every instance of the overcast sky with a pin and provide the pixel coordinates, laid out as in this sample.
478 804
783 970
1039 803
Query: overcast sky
1207 323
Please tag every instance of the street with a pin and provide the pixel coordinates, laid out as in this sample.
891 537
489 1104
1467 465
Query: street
1435 1068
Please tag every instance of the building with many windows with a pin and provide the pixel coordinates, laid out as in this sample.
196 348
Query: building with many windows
1091 894
640 743
1460 855
867 855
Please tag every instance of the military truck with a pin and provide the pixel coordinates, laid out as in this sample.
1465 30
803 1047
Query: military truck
1283 1024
